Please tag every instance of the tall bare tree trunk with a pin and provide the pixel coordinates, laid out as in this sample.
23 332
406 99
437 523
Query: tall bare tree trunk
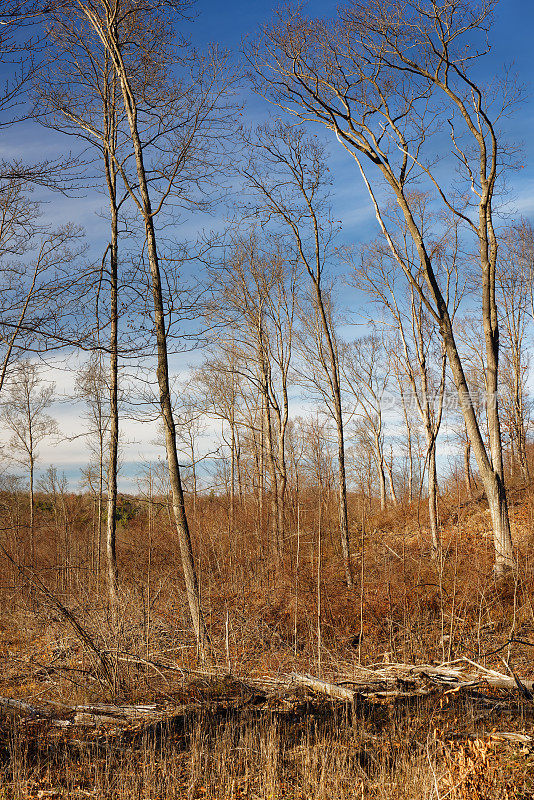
298 177
261 469
381 472
519 420
162 372
324 74
467 467
232 477
113 574
392 490
490 467
32 515
188 564
409 451
276 533
433 497
333 376
282 483
342 494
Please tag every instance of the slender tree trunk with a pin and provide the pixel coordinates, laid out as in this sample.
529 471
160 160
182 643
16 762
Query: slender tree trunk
100 495
490 464
32 520
433 496
239 475
282 482
107 30
333 377
233 447
519 420
342 480
467 467
408 441
275 520
162 372
392 490
256 479
410 463
342 496
232 472
381 472
188 564
195 487
261 472
491 471
111 552
382 484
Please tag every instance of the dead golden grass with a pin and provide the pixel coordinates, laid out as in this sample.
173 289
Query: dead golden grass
405 607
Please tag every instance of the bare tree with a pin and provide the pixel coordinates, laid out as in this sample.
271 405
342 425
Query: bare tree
82 99
24 415
32 299
190 425
514 291
366 371
254 306
219 382
92 388
417 350
288 174
382 78
55 487
318 459
171 132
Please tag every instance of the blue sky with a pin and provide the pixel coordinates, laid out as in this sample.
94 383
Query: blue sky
233 22
228 24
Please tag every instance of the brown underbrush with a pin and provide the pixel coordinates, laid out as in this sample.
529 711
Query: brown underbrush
265 618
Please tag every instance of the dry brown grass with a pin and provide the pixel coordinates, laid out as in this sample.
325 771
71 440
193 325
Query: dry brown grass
314 752
410 609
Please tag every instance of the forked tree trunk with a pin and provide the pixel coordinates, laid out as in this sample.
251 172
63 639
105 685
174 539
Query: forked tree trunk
490 464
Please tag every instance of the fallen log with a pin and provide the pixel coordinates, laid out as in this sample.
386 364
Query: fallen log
379 683
322 687
9 706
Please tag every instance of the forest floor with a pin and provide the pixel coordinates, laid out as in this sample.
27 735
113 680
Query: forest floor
232 743
431 666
